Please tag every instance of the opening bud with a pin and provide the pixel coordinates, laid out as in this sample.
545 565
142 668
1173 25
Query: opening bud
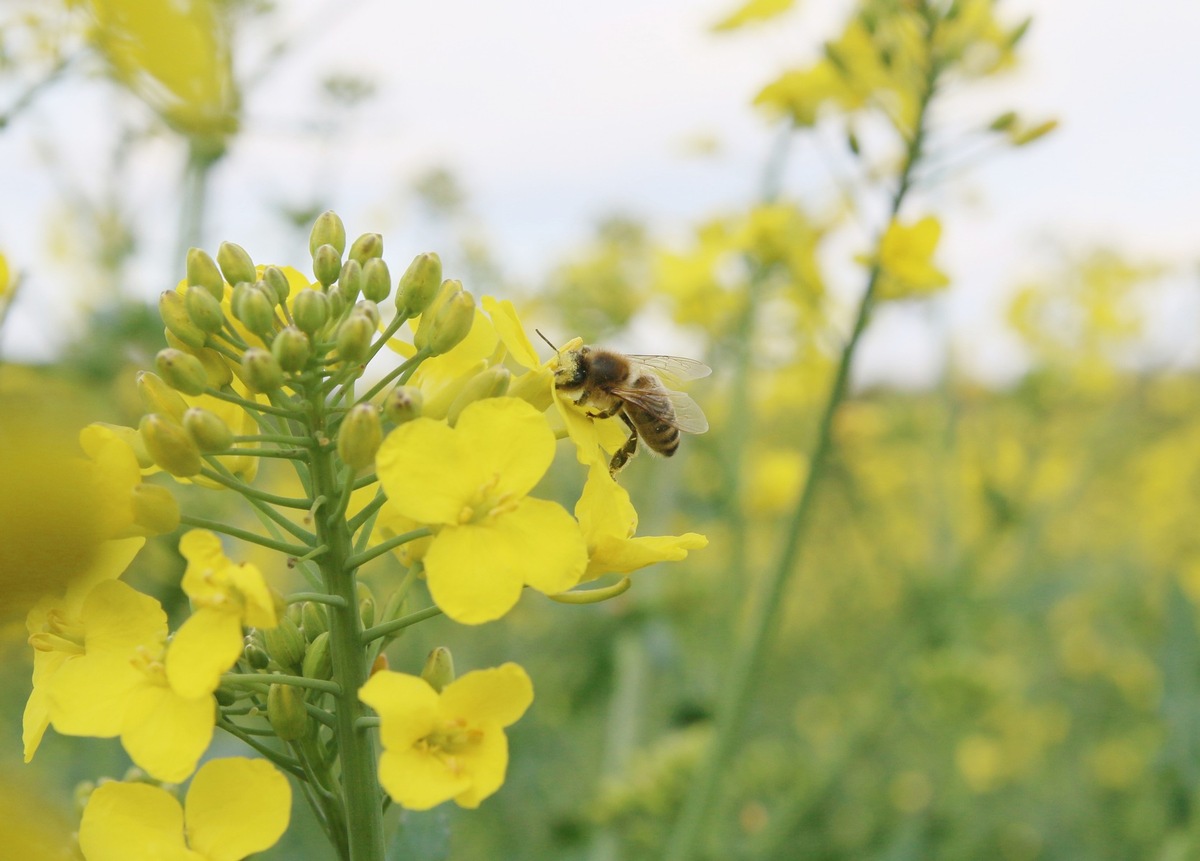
173 310
182 371
318 662
313 620
327 264
278 283
359 436
439 668
354 338
450 323
131 438
286 712
490 383
350 279
419 285
204 310
377 279
254 306
310 310
235 263
292 349
207 430
327 230
260 371
169 445
158 397
155 509
284 643
366 604
366 246
403 404
202 271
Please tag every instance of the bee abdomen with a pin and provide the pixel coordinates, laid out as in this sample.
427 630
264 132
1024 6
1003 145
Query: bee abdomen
655 428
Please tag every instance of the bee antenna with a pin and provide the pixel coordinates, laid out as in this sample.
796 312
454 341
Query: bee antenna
547 340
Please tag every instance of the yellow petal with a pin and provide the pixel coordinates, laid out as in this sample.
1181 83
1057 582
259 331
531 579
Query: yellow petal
550 544
206 645
118 618
604 508
510 439
487 763
258 607
621 557
498 695
407 707
511 332
236 807
166 734
34 721
426 471
418 780
474 572
206 560
109 563
90 694
133 822
582 431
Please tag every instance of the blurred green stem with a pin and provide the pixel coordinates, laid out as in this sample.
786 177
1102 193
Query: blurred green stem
736 699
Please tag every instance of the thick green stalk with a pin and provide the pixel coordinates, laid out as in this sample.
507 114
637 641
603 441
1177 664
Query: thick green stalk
735 702
355 744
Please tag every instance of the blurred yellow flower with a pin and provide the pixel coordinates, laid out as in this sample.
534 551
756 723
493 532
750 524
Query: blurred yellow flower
906 260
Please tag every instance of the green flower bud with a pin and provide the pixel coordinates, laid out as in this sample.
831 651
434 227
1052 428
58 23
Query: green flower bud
449 288
350 279
295 613
284 643
366 246
277 281
327 264
255 307
202 271
203 309
155 509
403 404
182 371
337 302
225 696
419 285
256 656
354 338
235 264
292 349
314 620
451 323
439 668
260 371
158 397
491 383
377 279
286 712
310 310
169 445
173 310
207 430
318 662
359 436
366 604
327 230
370 309
215 365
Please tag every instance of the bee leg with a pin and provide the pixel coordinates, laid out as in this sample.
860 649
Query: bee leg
625 452
607 414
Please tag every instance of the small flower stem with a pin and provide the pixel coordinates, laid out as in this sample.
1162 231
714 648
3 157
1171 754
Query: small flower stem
292 454
285 762
397 372
593 596
267 679
244 535
282 439
382 630
317 597
319 714
365 514
253 406
251 493
363 481
360 559
368 722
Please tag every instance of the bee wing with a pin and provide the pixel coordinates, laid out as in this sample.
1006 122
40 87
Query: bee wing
673 369
688 418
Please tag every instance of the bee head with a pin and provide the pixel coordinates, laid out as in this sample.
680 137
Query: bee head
572 368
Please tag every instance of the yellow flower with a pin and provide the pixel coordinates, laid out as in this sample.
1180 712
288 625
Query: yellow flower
609 520
473 481
226 595
906 260
235 807
130 507
438 747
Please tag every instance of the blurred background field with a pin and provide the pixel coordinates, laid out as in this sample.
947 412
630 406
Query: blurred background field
988 646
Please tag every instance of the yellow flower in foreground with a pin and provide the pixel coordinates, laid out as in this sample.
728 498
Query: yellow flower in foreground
451 745
473 481
226 595
234 808
609 520
906 260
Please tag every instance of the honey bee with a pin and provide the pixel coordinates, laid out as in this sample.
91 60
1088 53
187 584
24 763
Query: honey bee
607 383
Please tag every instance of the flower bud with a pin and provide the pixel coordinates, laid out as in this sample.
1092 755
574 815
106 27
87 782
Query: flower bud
155 509
439 668
359 436
215 365
286 712
260 371
419 285
203 309
169 445
370 309
132 438
292 349
366 246
535 386
327 264
225 696
437 405
350 279
173 310
318 661
284 643
202 271
354 338
490 383
256 656
377 279
235 264
277 281
207 430
327 230
310 310
158 397
182 371
403 404
450 324
313 620
366 605
254 306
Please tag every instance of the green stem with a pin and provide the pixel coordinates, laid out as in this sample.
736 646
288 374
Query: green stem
400 624
248 405
736 699
251 493
360 559
285 762
364 514
318 597
244 535
267 679
398 371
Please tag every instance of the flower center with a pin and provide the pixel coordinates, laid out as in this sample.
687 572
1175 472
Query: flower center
60 634
151 664
487 503
450 741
